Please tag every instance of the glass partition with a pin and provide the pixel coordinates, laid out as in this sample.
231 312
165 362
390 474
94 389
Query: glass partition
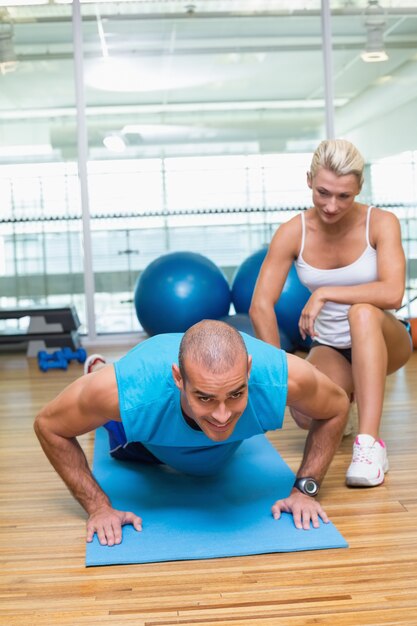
379 116
201 120
40 225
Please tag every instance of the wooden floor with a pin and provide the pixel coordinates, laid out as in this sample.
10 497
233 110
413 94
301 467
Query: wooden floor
44 581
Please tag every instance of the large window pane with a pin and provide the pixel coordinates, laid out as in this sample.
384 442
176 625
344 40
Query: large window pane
200 125
40 226
379 115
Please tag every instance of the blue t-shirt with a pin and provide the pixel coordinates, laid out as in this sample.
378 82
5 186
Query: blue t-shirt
151 412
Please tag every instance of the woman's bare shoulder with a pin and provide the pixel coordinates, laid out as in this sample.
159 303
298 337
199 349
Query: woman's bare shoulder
382 218
289 232
383 225
383 215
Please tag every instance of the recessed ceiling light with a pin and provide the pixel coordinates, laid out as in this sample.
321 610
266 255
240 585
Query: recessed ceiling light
114 143
375 24
375 56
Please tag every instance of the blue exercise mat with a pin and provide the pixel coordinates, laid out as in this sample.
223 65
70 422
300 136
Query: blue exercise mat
188 517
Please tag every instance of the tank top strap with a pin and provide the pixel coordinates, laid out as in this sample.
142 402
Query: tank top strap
303 233
368 219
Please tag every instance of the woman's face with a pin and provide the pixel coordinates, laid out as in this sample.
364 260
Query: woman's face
333 196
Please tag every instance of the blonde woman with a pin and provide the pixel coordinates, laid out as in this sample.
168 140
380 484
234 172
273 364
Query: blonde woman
349 255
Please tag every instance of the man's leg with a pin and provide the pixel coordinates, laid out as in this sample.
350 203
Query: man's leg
335 366
121 450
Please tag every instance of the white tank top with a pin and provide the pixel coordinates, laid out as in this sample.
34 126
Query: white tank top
332 323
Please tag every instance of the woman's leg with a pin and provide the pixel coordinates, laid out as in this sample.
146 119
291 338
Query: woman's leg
380 346
335 366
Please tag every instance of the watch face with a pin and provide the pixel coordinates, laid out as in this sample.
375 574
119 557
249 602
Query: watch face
311 487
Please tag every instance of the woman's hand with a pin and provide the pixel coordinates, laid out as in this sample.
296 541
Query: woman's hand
309 314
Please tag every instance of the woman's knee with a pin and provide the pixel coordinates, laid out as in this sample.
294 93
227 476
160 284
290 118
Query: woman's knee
363 315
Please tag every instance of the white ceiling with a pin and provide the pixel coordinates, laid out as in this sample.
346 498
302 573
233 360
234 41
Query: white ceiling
208 77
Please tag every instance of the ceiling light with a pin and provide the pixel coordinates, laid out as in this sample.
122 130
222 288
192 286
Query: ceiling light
114 143
374 56
166 132
374 23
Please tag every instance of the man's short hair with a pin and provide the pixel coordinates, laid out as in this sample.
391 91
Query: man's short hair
213 345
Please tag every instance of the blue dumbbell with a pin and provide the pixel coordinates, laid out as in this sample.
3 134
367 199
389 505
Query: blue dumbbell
79 355
48 356
52 361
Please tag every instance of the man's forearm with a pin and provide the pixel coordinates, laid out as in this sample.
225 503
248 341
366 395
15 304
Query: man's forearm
321 444
69 461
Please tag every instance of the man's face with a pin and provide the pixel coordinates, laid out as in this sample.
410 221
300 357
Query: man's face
214 401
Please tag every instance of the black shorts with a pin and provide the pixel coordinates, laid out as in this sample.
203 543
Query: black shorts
408 327
346 352
122 450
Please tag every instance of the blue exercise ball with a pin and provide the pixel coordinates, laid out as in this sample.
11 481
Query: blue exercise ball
242 322
290 304
178 290
244 279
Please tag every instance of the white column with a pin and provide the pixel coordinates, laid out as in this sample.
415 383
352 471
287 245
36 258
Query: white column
82 141
328 67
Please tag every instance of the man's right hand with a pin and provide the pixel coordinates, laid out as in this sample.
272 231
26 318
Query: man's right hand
107 523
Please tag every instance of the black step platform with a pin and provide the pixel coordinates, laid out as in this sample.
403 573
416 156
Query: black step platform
48 327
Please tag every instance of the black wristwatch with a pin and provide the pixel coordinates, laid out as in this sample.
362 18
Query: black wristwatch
308 485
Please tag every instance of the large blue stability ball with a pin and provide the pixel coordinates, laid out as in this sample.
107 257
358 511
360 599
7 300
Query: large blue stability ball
178 290
242 322
290 304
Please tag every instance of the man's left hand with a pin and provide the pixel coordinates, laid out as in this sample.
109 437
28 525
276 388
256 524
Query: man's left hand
304 510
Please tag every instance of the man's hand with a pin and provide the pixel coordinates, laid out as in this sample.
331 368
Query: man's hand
304 510
107 523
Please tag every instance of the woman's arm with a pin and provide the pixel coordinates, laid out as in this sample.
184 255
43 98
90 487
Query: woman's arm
282 251
385 293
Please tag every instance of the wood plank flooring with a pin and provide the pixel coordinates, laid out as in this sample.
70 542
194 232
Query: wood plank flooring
42 545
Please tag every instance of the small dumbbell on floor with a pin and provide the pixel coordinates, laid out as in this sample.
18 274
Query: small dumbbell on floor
79 355
48 356
48 361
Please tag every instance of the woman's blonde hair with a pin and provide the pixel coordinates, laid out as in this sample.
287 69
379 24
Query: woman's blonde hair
338 156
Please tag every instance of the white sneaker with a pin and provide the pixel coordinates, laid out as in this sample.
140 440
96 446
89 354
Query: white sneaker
369 462
352 422
91 361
